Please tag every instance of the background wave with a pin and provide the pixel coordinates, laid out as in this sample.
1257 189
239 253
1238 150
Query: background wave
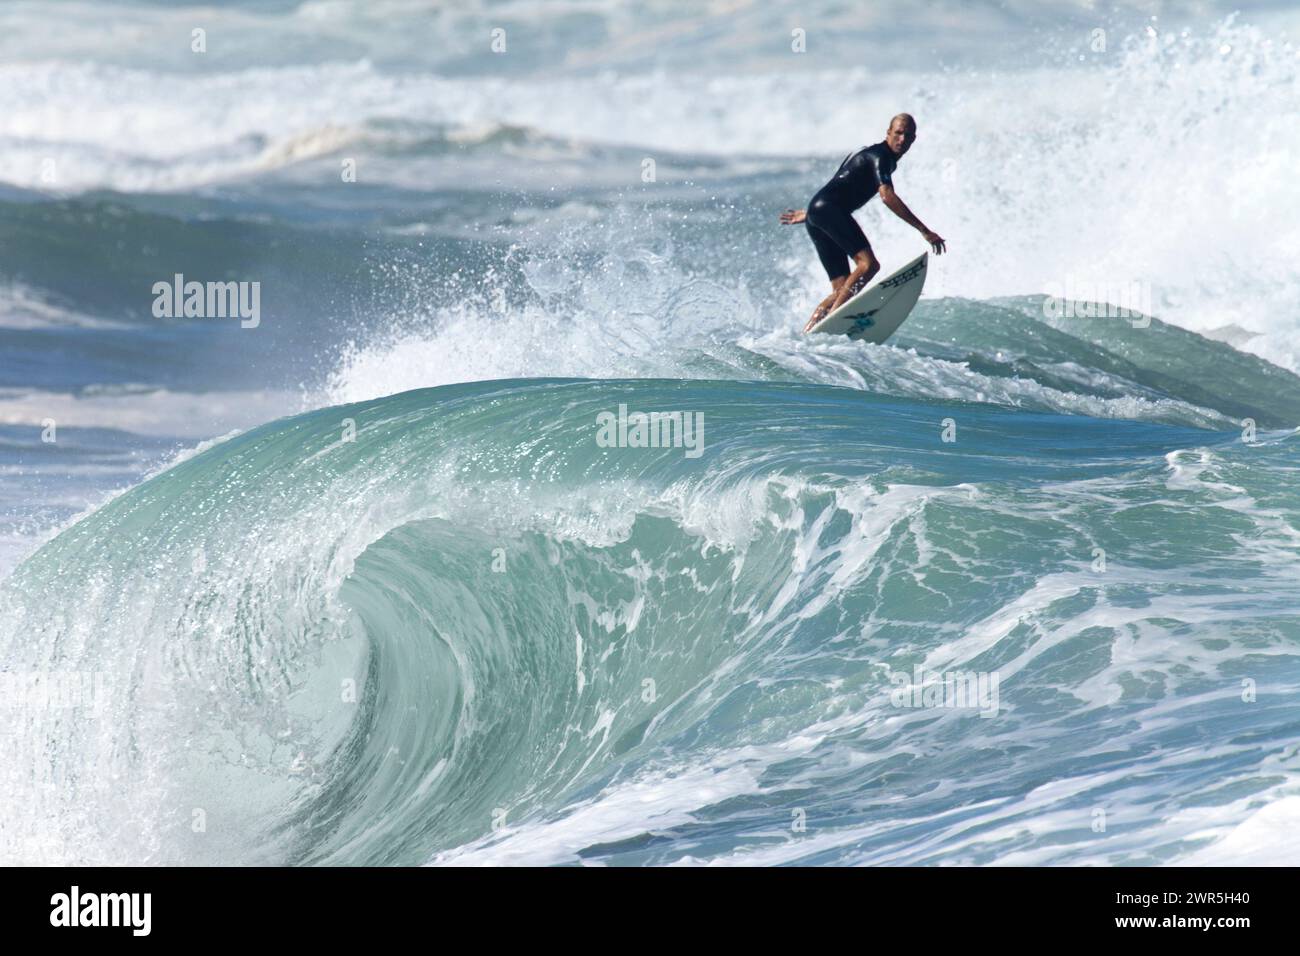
1109 165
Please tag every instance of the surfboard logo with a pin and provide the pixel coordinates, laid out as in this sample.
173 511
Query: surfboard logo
904 277
862 321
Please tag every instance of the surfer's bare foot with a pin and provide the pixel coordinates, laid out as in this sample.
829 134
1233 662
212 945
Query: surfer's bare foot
845 293
820 312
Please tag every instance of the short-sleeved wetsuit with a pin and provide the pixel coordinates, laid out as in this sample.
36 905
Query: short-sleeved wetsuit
829 219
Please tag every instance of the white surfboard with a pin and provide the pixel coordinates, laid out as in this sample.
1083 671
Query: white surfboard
875 313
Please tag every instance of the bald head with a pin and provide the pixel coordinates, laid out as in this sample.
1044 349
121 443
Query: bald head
901 133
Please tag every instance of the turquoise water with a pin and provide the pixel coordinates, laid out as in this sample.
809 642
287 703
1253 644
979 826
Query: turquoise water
371 651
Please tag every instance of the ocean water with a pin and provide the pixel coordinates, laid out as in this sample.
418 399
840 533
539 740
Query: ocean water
366 584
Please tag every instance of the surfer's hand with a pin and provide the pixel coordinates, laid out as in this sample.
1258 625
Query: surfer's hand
936 242
792 216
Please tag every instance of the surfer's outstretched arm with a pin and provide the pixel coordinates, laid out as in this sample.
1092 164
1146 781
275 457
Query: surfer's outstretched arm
793 216
899 209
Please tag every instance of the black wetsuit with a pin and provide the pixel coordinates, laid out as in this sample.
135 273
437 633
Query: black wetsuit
829 220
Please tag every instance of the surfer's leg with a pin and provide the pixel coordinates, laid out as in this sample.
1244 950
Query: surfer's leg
848 234
836 264
834 259
865 266
843 230
824 306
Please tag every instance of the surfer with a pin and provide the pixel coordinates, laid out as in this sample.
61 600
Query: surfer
829 217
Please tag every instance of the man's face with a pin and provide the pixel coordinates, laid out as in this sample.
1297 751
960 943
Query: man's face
900 137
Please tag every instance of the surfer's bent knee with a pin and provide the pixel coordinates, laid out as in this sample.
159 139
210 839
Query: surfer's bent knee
866 260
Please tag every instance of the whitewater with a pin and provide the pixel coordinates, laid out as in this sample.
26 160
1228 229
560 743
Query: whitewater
364 585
